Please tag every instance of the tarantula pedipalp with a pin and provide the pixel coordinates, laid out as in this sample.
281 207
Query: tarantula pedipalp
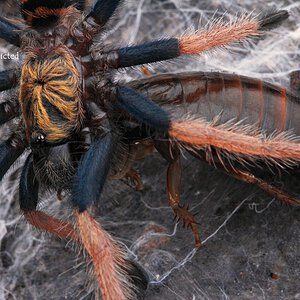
61 82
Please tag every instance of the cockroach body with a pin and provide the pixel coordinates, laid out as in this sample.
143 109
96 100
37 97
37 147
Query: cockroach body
226 97
258 109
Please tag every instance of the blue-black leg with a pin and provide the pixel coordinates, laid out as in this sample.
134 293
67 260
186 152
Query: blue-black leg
272 19
9 32
148 52
8 79
8 111
137 55
92 172
8 155
29 186
192 44
143 109
103 10
82 36
139 278
110 261
80 5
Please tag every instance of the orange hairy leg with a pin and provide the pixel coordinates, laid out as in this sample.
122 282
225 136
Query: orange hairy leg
280 148
44 222
234 140
108 259
219 34
28 197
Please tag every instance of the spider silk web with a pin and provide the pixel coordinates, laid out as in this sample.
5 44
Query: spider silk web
251 241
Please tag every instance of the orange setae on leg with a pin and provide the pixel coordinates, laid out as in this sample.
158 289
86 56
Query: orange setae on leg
108 258
42 221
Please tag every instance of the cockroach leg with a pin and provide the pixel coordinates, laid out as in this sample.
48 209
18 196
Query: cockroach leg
172 154
269 188
144 149
134 177
140 150
250 178
173 190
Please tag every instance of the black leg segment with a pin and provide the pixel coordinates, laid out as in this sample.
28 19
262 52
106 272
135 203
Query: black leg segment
29 186
139 278
188 44
28 198
80 5
8 155
138 55
143 109
92 172
272 19
148 52
8 110
8 79
9 32
103 10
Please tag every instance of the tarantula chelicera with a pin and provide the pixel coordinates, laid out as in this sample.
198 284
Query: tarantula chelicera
81 127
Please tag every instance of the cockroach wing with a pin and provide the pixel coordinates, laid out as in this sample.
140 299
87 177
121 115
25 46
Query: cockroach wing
238 115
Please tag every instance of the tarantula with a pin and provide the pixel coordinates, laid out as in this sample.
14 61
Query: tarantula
81 127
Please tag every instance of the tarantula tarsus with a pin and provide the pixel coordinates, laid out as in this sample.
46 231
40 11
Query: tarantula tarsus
65 88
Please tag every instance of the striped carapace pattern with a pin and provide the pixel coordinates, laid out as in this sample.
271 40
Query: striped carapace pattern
50 94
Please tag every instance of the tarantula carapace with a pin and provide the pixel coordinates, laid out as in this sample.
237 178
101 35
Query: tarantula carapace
82 127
